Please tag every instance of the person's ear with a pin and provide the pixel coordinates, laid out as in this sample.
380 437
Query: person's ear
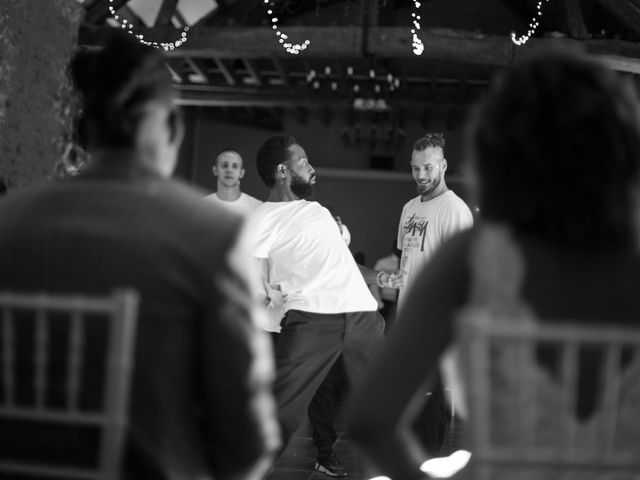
444 165
214 169
241 173
282 170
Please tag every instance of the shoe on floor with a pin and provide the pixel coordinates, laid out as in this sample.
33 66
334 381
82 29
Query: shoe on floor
331 466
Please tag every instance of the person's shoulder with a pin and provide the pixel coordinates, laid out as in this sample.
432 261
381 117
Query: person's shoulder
187 202
411 202
212 197
250 199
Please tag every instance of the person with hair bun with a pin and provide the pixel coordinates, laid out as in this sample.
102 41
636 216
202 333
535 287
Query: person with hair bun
555 151
201 405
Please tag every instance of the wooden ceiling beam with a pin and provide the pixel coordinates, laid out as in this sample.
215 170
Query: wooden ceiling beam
626 12
167 10
384 42
286 81
575 20
226 72
252 72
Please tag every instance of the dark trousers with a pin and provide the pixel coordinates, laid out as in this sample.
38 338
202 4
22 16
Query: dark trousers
430 424
308 347
322 409
388 311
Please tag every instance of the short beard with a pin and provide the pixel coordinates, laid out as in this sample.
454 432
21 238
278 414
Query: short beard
423 192
301 188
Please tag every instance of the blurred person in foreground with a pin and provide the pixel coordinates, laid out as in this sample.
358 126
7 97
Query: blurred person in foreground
200 404
555 148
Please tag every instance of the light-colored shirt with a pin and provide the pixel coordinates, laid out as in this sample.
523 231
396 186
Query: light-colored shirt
245 204
422 229
309 263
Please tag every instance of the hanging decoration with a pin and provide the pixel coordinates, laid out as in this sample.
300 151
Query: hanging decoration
416 43
128 26
532 26
292 48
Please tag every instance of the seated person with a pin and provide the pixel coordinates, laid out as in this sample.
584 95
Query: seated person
555 149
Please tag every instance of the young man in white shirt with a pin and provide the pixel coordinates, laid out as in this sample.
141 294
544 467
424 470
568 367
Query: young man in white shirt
229 170
425 223
329 309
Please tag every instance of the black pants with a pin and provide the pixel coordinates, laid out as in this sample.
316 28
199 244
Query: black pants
322 409
430 424
308 347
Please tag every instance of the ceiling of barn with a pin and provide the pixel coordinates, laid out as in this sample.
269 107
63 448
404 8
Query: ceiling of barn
360 53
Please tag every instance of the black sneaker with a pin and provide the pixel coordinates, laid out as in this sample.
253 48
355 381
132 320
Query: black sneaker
331 466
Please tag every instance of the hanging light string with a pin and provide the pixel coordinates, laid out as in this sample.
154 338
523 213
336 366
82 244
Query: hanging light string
416 43
128 26
292 48
532 26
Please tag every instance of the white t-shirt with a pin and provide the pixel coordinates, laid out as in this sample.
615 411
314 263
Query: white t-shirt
309 262
244 204
423 227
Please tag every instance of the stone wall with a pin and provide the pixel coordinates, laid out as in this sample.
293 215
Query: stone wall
37 39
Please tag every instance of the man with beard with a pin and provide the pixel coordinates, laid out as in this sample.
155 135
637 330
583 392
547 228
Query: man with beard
229 170
329 309
426 222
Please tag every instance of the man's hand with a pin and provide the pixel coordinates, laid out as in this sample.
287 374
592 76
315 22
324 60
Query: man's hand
389 280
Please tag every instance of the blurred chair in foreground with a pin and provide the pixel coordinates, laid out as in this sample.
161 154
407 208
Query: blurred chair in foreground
554 151
201 404
529 422
65 367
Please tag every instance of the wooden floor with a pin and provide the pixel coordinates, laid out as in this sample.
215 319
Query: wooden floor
298 460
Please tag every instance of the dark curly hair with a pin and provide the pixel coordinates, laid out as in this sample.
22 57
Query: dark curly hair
114 84
555 147
272 152
429 140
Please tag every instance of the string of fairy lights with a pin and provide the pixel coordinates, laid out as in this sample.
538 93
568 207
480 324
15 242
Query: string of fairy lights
292 48
128 26
532 26
416 43
296 48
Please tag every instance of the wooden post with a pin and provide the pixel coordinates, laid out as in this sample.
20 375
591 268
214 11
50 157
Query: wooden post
37 40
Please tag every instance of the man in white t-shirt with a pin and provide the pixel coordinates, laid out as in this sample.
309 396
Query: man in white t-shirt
229 170
329 309
426 222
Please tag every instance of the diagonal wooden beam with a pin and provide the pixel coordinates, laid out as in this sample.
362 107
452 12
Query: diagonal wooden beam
199 68
167 10
281 71
626 12
228 75
253 73
575 20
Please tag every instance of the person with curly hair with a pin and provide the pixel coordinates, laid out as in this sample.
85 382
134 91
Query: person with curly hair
555 150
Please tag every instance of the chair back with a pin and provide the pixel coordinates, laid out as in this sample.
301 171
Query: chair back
65 368
550 401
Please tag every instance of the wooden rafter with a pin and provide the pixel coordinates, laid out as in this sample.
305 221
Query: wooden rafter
384 42
252 72
575 20
626 12
167 10
228 75
281 71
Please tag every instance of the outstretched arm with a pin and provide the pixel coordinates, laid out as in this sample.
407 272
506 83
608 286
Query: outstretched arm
380 277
